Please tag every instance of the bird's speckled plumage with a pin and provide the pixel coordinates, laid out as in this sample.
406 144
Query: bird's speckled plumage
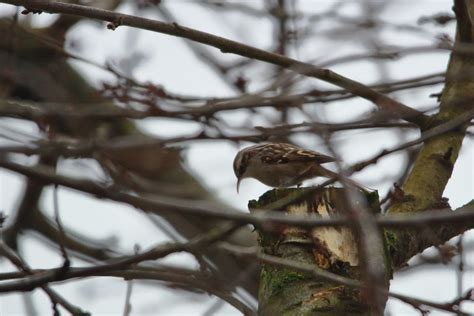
280 164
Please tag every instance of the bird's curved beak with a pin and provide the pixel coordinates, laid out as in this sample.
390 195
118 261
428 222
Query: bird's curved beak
238 184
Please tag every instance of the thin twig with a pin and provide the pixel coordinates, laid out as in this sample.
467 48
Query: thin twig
55 298
62 234
266 219
317 272
227 46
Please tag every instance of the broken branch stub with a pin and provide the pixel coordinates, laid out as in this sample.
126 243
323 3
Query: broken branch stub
332 249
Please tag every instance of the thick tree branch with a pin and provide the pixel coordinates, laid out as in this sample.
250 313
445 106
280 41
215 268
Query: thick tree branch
384 102
414 241
118 265
266 220
433 167
42 73
189 278
320 273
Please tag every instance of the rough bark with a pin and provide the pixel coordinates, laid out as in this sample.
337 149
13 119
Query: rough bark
433 167
287 292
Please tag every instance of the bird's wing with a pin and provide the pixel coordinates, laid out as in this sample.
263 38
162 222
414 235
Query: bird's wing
302 155
284 153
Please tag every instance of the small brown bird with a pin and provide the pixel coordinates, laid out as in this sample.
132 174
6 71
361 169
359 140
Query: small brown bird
280 164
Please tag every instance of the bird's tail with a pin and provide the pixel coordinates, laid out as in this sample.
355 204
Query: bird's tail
333 175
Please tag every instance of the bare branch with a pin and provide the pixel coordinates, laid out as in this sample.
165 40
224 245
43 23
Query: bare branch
384 102
265 219
55 298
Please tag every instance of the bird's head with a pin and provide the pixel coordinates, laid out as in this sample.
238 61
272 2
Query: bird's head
241 161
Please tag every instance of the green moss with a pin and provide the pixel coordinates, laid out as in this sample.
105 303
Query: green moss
391 245
282 279
280 289
391 241
374 201
278 199
253 204
287 292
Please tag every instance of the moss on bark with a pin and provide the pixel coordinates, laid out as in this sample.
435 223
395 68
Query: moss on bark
286 292
434 164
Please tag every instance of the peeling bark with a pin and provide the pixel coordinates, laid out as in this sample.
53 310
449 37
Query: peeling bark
287 292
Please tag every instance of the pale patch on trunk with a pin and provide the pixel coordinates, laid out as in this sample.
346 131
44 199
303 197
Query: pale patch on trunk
338 243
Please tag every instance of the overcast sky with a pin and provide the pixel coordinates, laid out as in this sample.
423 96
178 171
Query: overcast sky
169 62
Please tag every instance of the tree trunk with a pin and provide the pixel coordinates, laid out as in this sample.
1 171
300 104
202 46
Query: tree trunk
288 292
